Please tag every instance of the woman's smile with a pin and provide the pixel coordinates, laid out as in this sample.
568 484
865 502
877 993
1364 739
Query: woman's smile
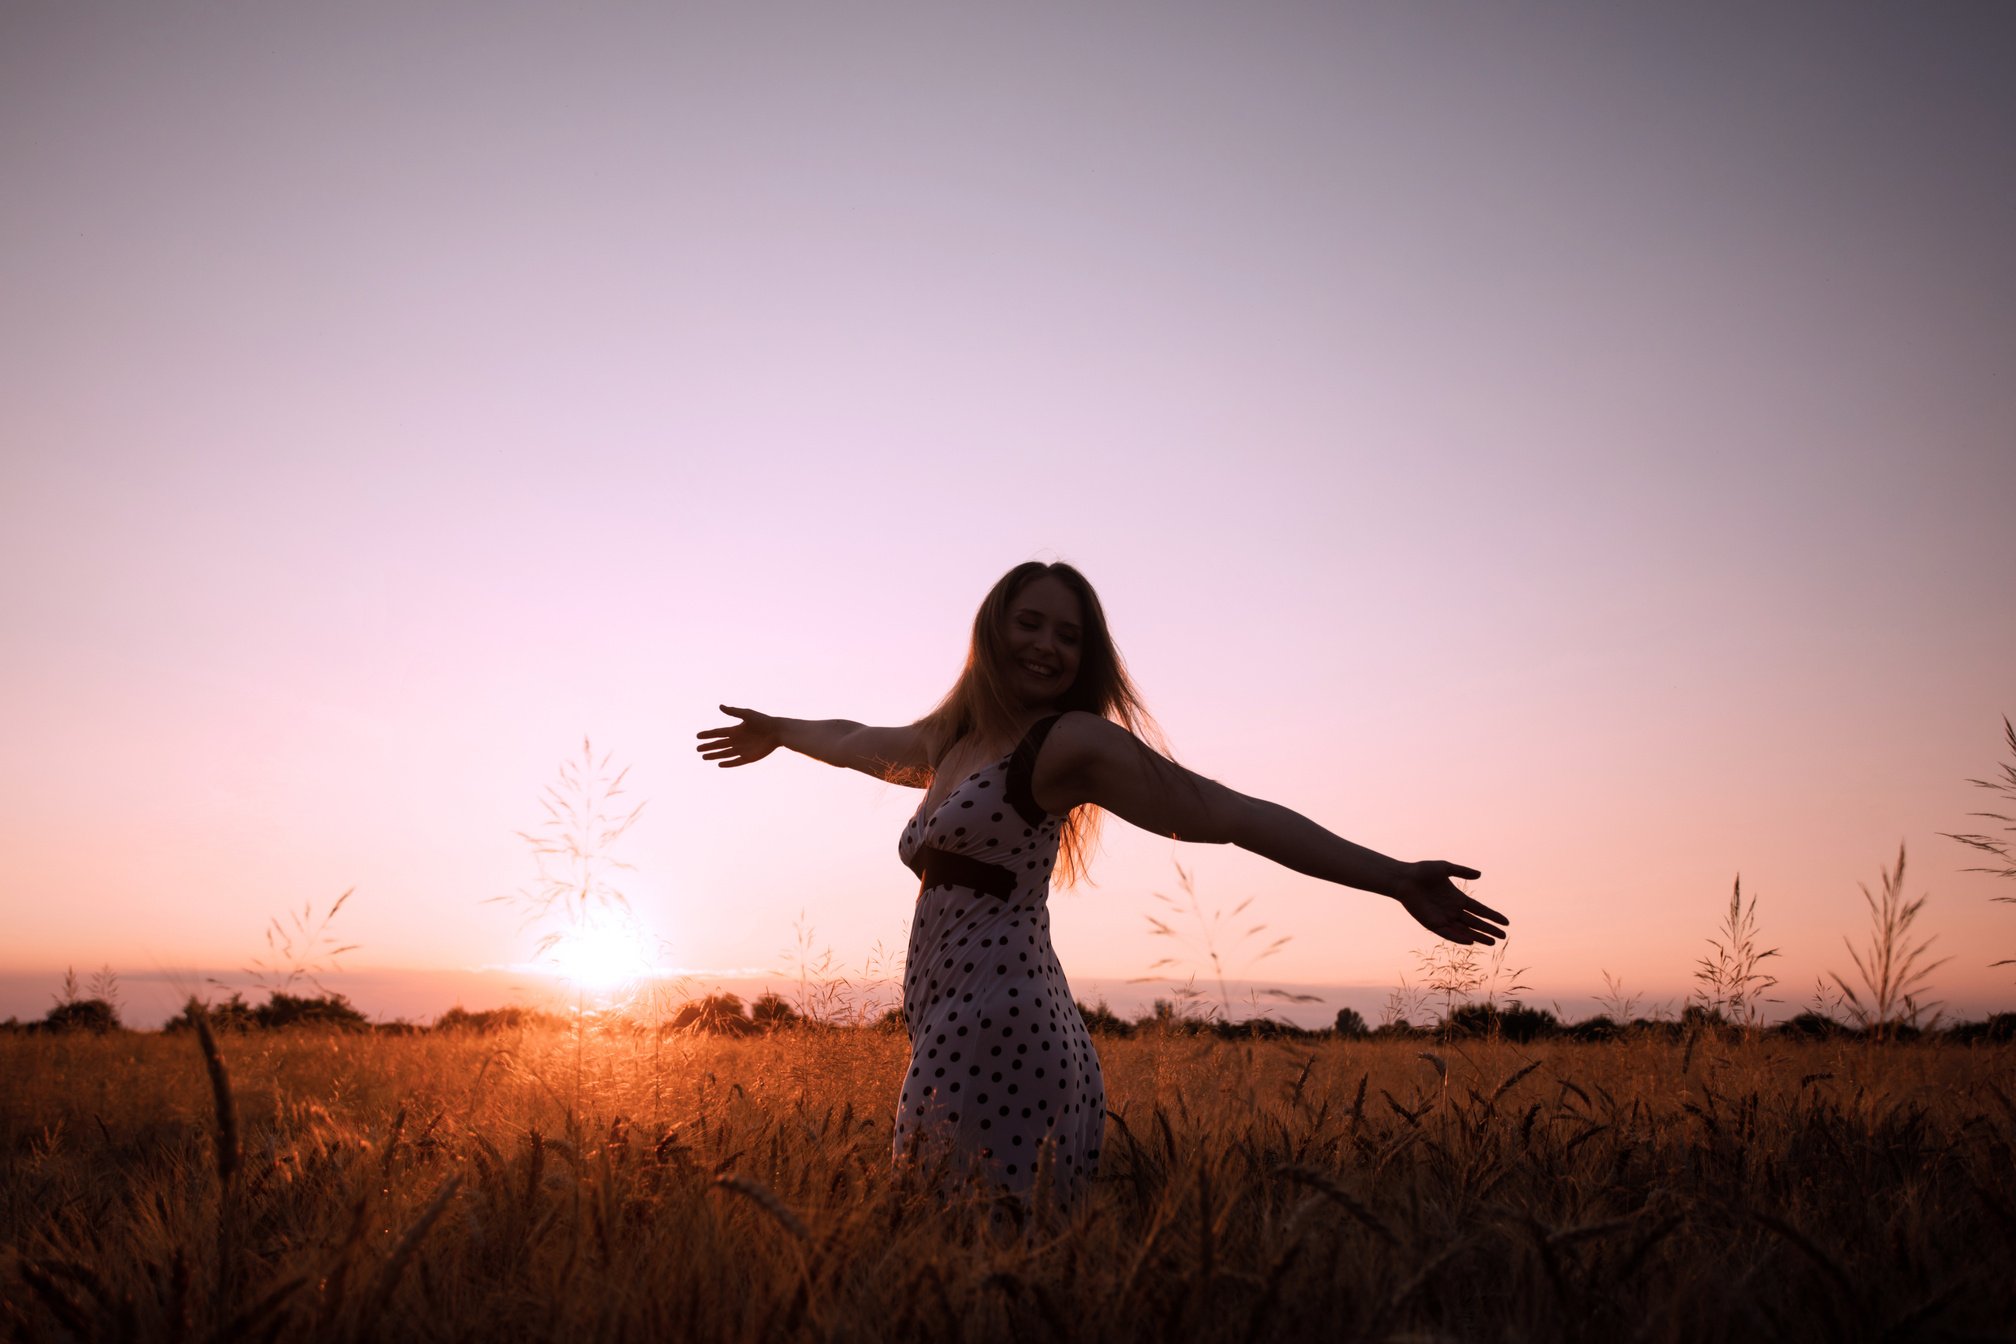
1044 633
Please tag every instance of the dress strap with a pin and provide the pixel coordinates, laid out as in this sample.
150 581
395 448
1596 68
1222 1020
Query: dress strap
1019 788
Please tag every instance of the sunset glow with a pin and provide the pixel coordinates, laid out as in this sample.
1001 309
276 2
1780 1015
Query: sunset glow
1573 442
602 956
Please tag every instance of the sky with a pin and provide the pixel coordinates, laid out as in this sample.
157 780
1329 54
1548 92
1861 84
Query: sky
1574 441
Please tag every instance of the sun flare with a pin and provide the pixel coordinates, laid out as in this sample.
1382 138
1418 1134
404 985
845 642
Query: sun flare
602 957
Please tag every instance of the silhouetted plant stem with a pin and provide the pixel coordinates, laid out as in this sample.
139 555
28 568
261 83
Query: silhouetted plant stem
1892 973
226 1137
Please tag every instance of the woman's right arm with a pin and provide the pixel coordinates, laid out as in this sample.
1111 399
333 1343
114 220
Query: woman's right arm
899 755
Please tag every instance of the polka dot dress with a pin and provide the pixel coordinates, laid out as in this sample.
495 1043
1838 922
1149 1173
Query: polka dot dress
1002 1072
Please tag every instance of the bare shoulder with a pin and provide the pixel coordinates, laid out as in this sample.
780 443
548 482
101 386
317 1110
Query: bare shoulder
1081 747
1080 734
1101 763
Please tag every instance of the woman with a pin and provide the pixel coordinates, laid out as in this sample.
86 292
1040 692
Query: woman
1037 736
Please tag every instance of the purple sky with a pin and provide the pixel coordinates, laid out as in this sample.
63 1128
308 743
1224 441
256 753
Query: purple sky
1569 441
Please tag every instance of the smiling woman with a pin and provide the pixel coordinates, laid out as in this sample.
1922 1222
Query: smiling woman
1037 736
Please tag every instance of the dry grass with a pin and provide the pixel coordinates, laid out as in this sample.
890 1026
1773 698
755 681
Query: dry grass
444 1187
1895 971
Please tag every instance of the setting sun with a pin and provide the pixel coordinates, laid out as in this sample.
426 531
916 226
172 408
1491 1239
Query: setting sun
601 957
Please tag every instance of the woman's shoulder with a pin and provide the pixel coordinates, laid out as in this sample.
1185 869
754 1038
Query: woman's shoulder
1079 733
1080 747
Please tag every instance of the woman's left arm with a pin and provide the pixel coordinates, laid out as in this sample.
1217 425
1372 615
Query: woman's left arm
1092 760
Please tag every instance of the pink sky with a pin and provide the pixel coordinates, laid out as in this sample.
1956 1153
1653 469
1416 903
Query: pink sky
1576 443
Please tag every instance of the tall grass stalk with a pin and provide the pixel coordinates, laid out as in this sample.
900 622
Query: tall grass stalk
1732 986
1618 1006
1403 1002
822 994
1501 983
225 1137
1451 971
572 850
572 847
1893 968
1989 844
1217 936
299 948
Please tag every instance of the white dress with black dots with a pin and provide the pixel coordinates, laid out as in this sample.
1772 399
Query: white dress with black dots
1001 1067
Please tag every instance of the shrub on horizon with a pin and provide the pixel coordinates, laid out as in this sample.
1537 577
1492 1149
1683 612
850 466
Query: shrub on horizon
1996 1029
1103 1020
1812 1026
1514 1023
1260 1028
77 1009
92 1015
279 1010
1595 1029
1169 1023
1710 1022
771 1011
512 1017
233 1014
721 1014
302 1010
1350 1022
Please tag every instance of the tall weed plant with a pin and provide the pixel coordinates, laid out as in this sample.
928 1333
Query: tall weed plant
1893 967
1732 986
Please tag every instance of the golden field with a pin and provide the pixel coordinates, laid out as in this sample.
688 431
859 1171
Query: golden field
544 1184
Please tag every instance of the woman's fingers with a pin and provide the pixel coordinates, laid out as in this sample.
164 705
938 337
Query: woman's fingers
1453 915
1471 905
736 744
1485 919
1476 925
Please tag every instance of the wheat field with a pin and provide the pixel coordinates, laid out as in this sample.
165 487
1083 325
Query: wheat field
601 1185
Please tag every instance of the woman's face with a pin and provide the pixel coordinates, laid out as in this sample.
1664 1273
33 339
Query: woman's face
1045 634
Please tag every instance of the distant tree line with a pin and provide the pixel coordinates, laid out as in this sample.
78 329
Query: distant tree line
96 1010
1518 1023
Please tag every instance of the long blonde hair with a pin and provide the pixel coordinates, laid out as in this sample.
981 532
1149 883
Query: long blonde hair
979 701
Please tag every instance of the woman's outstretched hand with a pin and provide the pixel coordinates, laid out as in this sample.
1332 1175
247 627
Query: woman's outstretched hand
1443 908
742 743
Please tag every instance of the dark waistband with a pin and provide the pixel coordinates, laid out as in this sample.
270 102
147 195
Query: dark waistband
943 868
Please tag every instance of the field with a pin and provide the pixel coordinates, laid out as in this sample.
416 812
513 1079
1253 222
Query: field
533 1185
